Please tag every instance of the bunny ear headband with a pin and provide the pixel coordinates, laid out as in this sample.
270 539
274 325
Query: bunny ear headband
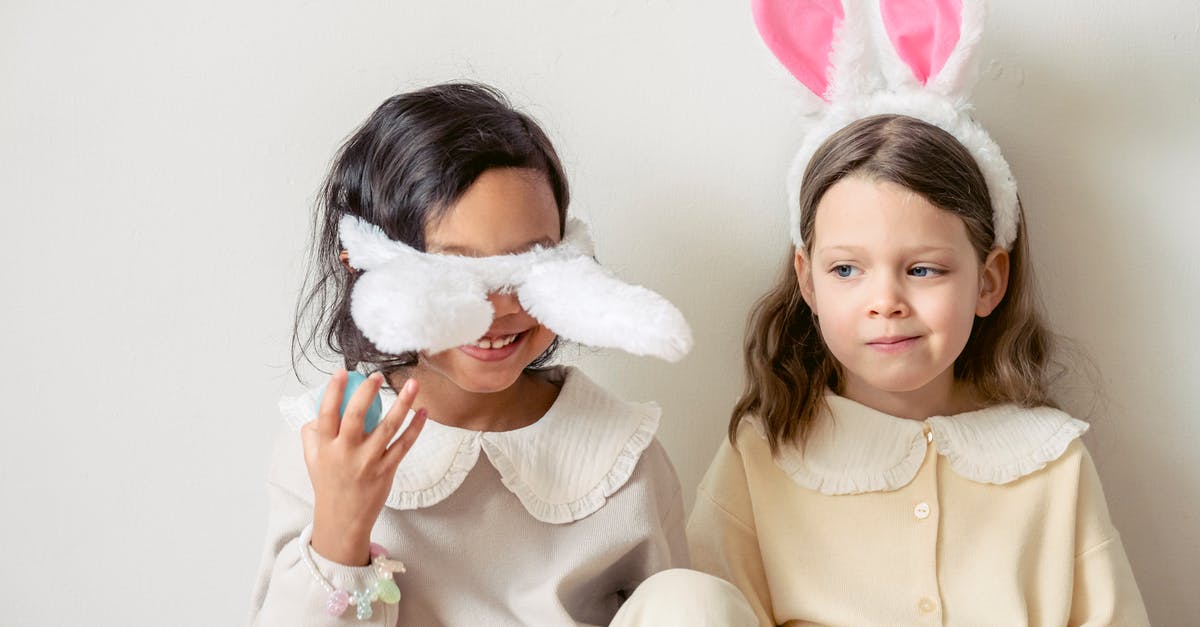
909 57
406 300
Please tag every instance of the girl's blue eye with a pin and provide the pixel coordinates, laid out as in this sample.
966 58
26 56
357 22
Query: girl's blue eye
844 271
924 271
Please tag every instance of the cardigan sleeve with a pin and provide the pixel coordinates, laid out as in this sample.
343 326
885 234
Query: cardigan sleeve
722 535
287 591
1105 592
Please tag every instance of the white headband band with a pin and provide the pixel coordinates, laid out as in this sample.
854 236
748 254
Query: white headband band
407 300
888 56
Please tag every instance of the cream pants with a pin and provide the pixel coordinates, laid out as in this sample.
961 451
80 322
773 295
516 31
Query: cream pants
685 597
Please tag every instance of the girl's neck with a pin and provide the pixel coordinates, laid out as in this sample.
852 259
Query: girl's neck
519 405
944 396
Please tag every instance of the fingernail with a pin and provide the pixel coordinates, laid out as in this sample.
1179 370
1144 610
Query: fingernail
408 386
421 414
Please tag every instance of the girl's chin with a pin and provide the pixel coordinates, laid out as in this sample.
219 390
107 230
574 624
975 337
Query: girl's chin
487 382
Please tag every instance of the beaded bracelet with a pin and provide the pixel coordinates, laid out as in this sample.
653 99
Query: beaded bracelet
384 589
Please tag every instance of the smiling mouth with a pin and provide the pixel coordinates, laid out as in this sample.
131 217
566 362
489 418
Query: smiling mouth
894 344
892 341
495 348
497 342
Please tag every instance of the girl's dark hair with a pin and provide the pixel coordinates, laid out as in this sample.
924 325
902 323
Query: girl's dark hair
411 160
788 367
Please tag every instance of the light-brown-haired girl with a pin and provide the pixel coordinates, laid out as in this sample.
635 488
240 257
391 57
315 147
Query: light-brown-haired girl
895 458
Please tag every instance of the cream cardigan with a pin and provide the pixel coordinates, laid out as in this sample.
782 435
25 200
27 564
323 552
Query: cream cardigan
994 517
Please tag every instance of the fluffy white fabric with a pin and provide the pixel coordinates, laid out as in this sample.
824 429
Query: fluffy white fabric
407 300
867 77
581 300
415 304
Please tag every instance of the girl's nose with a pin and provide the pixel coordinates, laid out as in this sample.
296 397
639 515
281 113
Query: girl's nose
888 301
504 303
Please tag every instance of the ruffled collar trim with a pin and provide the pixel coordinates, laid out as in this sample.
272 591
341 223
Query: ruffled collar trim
562 468
854 449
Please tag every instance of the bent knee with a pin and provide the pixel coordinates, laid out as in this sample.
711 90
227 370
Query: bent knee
685 597
687 581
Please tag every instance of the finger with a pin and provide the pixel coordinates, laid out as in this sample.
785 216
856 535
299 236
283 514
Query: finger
310 440
401 446
331 404
394 419
356 408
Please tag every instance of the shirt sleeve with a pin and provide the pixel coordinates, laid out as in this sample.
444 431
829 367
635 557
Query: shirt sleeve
666 545
674 527
290 589
1105 592
722 535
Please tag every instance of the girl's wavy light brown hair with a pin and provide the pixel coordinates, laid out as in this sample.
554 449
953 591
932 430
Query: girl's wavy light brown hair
1007 358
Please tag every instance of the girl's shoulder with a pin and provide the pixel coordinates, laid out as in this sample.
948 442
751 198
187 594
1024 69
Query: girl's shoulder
562 468
1003 443
854 449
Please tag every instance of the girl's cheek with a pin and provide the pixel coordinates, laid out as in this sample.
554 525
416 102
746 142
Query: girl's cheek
541 341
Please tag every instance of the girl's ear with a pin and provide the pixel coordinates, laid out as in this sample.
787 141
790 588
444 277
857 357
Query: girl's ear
804 278
993 282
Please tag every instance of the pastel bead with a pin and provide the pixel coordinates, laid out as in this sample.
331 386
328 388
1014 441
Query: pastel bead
338 601
388 591
374 412
362 603
385 567
377 550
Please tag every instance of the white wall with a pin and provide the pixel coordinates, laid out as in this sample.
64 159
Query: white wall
158 162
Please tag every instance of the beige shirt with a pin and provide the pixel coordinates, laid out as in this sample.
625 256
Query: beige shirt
552 524
993 517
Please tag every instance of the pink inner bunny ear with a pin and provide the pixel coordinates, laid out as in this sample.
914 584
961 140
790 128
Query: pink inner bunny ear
923 32
800 34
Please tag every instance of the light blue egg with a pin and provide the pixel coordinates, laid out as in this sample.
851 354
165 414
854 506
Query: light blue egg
374 412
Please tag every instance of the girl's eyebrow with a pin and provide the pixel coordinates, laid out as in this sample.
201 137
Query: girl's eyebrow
467 251
839 247
914 250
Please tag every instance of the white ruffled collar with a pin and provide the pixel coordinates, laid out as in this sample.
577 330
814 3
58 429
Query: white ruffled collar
562 467
853 448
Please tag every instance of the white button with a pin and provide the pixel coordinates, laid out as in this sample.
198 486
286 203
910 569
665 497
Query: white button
921 511
926 605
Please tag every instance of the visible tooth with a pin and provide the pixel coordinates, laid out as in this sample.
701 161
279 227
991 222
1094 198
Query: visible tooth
499 342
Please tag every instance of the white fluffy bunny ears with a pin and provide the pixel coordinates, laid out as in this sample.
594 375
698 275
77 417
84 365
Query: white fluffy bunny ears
406 300
868 57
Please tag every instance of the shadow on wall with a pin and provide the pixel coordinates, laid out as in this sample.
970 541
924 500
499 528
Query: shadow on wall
1096 172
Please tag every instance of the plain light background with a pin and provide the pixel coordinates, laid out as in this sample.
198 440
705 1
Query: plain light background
158 163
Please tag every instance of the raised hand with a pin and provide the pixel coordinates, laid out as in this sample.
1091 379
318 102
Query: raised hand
351 471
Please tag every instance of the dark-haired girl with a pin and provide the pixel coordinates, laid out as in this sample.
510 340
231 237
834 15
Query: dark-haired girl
517 493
